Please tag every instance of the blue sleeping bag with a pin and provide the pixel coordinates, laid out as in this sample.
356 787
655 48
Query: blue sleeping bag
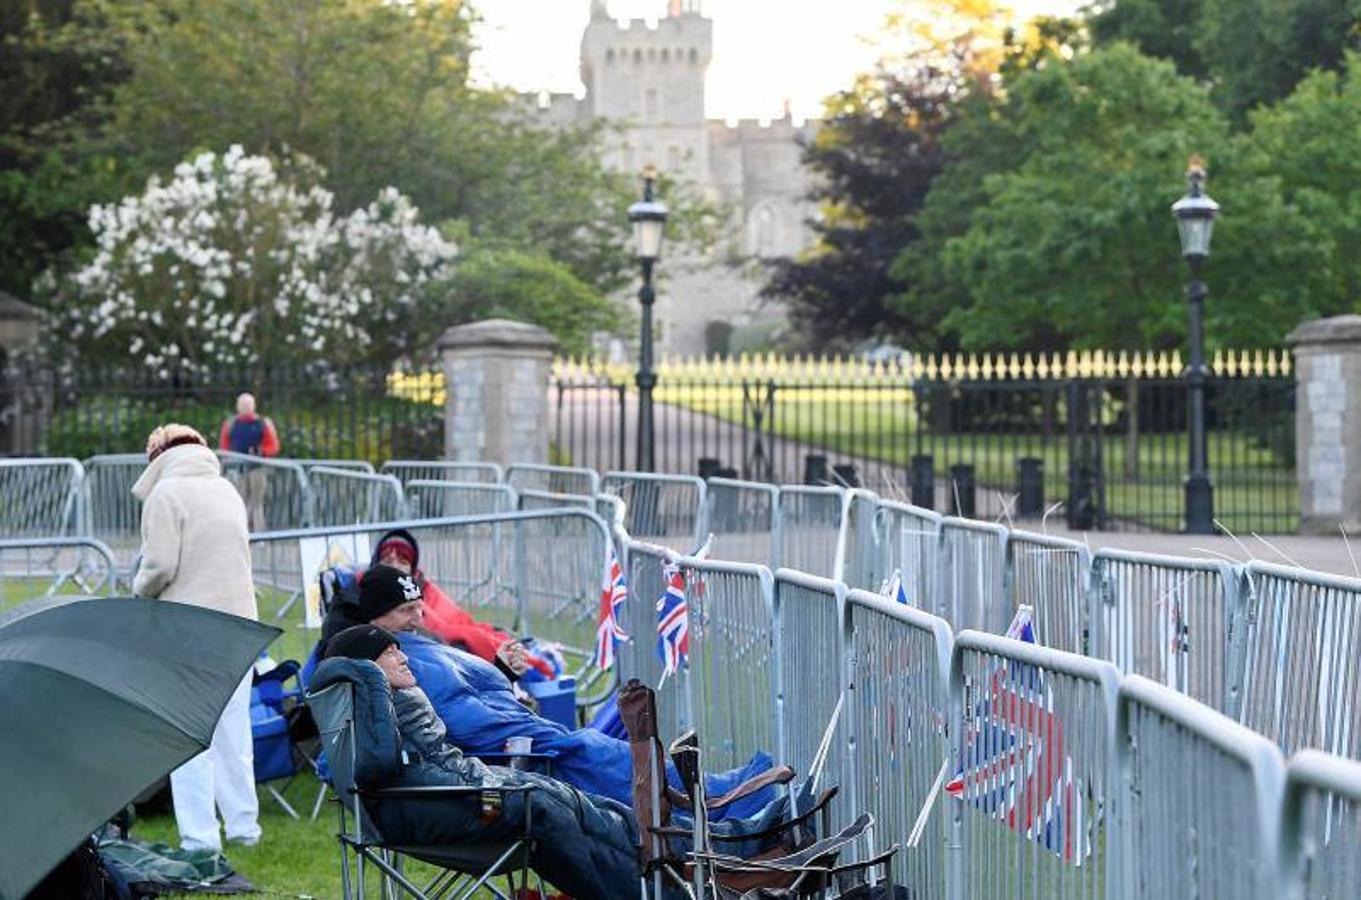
476 703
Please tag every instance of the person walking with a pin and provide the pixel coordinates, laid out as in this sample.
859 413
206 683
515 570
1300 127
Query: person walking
250 435
196 549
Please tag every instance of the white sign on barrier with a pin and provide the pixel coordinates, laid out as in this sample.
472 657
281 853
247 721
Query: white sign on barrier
315 555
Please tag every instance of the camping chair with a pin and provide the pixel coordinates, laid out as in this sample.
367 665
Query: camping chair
283 734
465 868
798 864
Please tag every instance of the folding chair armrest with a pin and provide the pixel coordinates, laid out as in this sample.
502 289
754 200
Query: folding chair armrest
437 791
867 863
782 827
549 755
777 775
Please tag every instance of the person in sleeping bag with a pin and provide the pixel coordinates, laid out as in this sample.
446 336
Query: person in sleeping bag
474 700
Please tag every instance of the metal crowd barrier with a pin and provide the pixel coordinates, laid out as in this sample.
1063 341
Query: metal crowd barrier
812 529
637 657
530 499
809 674
1321 827
1176 621
288 490
40 496
409 470
438 499
1033 770
862 559
910 544
611 509
732 634
742 516
1302 686
898 695
663 509
1051 575
354 465
553 479
57 566
538 572
110 513
352 497
1199 805
973 576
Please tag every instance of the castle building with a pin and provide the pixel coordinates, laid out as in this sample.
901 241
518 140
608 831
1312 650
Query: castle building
648 82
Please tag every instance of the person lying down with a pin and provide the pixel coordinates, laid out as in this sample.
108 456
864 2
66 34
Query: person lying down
584 844
480 712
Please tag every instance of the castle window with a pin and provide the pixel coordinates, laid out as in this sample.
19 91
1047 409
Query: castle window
650 105
761 232
666 55
637 56
694 55
609 55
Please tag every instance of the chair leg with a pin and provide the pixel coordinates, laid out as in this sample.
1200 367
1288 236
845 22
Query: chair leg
321 798
345 871
279 799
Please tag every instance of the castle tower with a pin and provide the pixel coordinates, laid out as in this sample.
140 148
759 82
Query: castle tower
651 81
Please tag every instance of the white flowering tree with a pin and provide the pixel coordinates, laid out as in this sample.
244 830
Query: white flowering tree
235 262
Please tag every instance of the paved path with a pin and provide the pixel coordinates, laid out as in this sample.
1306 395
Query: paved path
1324 554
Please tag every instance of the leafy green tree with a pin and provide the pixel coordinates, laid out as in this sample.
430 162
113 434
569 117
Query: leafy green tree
58 61
874 160
1256 51
508 283
1306 145
1167 29
378 94
1075 244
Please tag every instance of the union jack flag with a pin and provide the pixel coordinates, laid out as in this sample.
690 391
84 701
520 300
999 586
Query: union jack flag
613 592
673 621
1015 767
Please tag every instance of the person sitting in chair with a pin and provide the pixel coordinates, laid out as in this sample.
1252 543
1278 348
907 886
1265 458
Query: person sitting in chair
446 619
584 844
480 711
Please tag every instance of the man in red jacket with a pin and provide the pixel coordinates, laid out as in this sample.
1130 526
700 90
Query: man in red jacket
250 435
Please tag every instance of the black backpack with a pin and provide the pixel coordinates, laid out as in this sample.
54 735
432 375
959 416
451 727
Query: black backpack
81 876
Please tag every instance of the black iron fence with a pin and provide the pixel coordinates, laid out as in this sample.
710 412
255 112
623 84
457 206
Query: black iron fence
373 414
1098 442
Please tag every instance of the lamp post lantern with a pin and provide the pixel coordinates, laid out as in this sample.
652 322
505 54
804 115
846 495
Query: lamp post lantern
1195 214
649 224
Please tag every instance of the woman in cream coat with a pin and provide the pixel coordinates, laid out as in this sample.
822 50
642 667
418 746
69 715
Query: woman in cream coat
196 549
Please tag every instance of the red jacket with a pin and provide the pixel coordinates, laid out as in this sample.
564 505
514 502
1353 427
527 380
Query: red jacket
456 625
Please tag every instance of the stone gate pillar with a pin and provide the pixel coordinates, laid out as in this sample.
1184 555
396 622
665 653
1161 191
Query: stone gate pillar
1328 423
496 402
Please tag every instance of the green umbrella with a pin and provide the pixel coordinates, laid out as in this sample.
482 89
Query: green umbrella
99 699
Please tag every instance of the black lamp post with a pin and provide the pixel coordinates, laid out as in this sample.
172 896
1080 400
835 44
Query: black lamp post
649 223
1195 215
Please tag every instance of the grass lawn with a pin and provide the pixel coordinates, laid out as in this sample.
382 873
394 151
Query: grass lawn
294 859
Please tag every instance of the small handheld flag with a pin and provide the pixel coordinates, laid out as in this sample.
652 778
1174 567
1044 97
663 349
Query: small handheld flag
613 592
673 621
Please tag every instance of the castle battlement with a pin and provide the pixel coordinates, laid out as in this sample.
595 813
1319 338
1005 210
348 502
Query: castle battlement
761 130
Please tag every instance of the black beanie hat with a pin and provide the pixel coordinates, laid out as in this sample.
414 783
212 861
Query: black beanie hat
383 589
360 642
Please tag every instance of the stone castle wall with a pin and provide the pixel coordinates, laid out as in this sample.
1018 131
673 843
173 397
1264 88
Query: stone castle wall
650 81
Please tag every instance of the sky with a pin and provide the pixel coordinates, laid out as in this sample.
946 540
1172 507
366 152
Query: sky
765 51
